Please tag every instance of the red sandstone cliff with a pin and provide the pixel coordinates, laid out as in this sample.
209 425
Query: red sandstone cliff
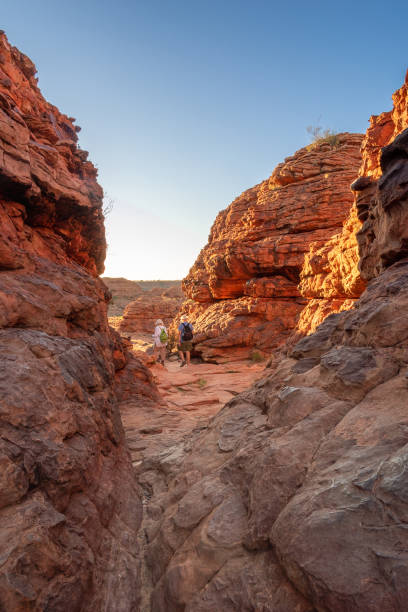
383 237
294 497
69 505
333 270
244 287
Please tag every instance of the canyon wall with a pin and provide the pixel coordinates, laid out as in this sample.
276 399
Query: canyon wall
69 504
295 495
270 251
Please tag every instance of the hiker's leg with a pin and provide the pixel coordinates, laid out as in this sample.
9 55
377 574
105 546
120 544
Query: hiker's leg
188 357
163 353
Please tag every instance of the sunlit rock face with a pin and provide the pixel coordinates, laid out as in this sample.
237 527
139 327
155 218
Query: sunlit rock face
332 273
380 189
330 277
244 289
295 495
140 314
69 507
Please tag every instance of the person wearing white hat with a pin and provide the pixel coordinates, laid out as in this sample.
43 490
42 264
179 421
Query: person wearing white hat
160 339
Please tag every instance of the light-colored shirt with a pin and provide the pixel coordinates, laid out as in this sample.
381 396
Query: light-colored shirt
156 335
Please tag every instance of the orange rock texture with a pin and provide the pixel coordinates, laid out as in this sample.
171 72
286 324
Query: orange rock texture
333 270
244 288
69 505
140 315
383 236
330 278
294 497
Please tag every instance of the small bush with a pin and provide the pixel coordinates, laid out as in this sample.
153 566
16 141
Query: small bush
202 383
321 136
107 204
256 357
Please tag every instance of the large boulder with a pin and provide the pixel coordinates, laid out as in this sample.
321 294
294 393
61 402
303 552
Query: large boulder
243 289
140 314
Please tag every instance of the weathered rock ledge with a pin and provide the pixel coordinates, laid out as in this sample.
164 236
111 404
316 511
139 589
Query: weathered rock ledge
140 314
270 253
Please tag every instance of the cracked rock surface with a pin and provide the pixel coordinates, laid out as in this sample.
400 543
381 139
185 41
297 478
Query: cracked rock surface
294 496
69 503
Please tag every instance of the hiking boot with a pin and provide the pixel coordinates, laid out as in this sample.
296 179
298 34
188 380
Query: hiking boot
183 363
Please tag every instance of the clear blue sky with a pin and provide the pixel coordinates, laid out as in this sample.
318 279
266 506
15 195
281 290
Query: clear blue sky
184 104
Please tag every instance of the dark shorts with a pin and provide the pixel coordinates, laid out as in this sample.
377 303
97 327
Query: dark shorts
185 346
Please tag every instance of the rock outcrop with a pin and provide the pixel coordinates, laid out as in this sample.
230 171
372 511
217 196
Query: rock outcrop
294 496
332 271
69 505
382 239
125 291
141 314
244 288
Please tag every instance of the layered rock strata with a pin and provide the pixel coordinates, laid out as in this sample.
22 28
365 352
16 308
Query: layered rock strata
69 505
125 291
383 236
294 497
140 314
332 270
244 288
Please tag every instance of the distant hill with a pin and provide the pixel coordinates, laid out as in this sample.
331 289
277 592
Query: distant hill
147 285
125 291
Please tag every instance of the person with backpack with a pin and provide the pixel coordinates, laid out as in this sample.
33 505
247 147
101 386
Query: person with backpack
160 338
185 345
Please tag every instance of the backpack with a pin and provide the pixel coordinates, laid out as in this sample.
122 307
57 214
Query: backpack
187 334
163 336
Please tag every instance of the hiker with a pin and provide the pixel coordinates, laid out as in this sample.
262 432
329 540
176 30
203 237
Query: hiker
160 341
185 340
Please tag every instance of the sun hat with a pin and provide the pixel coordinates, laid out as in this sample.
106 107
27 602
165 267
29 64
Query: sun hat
184 318
159 322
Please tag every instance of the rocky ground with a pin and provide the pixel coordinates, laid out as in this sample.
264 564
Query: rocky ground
159 433
191 396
